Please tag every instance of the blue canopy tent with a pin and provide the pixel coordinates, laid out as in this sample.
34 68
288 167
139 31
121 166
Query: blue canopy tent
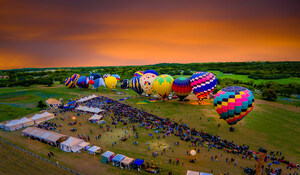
138 163
107 157
117 160
71 102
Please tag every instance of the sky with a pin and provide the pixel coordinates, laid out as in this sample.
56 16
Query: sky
72 33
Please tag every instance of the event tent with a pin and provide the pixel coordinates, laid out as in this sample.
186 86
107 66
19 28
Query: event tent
127 162
84 99
94 149
95 118
38 118
117 160
196 173
17 124
48 136
138 163
87 109
100 122
73 144
107 157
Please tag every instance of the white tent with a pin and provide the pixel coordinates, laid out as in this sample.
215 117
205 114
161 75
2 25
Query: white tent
196 173
94 149
127 161
73 144
49 136
38 118
26 122
79 108
96 117
17 124
48 115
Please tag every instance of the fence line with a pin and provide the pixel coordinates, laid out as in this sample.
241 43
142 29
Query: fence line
39 157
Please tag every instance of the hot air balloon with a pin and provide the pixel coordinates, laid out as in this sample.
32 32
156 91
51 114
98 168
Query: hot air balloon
135 84
138 73
163 85
151 71
125 84
111 82
82 82
75 78
105 76
182 87
69 83
233 103
203 83
146 82
96 80
116 76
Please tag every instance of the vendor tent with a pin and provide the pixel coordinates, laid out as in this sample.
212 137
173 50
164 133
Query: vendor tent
107 157
73 144
100 122
94 149
127 162
17 124
117 160
26 122
138 163
39 118
196 173
48 136
95 118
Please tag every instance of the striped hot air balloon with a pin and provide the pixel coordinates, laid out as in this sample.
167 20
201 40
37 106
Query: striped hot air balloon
74 78
203 83
69 83
182 87
138 73
163 85
135 84
233 103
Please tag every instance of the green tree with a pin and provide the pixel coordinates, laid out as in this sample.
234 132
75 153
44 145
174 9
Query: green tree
269 94
41 104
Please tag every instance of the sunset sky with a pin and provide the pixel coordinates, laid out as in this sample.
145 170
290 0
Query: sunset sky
109 33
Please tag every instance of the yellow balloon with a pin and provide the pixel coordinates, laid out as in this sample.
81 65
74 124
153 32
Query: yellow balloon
111 82
163 85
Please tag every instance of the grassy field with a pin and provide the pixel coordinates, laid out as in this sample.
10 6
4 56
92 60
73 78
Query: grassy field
14 161
271 125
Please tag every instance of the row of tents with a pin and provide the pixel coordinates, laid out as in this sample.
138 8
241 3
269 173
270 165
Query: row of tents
84 99
67 143
89 109
25 122
121 160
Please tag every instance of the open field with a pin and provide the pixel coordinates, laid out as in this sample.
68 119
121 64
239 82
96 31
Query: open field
273 126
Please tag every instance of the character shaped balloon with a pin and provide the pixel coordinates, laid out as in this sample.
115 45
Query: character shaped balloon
233 103
96 80
203 83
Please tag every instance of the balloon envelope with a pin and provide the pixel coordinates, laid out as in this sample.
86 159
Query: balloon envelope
111 82
146 82
135 84
125 84
69 83
151 71
82 82
203 83
163 85
138 73
233 103
105 76
182 87
75 78
116 76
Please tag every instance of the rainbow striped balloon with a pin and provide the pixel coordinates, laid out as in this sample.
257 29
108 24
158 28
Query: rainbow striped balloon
138 73
203 83
233 103
74 78
182 87
69 83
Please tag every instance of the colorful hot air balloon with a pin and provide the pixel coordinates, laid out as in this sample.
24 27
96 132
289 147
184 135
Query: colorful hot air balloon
116 76
111 82
163 85
233 103
105 76
125 84
82 82
151 71
203 83
138 73
146 82
96 80
69 83
135 84
182 87
75 78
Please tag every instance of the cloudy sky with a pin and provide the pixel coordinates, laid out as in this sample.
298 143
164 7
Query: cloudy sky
137 32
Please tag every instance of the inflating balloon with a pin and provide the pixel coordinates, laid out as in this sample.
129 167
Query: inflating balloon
82 82
151 71
69 83
75 78
203 83
111 82
125 84
193 152
135 84
233 103
116 76
105 76
146 82
163 85
182 87
96 80
138 73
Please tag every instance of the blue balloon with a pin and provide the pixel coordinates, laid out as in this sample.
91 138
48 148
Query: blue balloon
151 71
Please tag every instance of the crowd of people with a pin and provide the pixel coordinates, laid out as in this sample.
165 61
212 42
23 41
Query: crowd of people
125 114
51 126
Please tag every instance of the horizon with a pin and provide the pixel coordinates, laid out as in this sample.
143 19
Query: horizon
37 34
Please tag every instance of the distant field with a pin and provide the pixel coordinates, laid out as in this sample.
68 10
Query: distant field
13 161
